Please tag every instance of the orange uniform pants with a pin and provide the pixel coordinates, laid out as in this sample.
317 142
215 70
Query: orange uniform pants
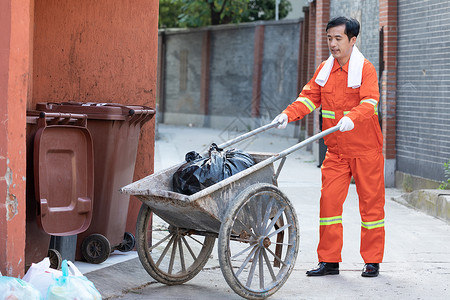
368 173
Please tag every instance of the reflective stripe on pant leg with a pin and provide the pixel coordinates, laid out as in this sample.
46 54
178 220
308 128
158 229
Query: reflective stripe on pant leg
335 182
369 180
373 225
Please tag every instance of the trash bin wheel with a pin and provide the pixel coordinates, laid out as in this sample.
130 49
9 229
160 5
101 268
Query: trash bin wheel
128 242
95 248
262 225
55 259
169 254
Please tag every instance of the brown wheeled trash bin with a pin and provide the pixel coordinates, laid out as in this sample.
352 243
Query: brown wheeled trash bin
115 130
60 182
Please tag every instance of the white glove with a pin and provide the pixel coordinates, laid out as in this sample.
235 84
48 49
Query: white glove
281 119
345 124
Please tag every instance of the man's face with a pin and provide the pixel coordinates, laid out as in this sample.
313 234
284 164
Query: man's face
339 44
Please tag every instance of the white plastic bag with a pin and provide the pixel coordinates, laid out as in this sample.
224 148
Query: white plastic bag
41 276
73 286
16 289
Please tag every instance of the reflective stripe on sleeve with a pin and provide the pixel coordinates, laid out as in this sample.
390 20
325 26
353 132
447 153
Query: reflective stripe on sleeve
370 101
373 102
309 104
331 220
328 114
372 225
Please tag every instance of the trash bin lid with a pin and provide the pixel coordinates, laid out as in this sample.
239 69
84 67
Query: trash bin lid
98 110
64 175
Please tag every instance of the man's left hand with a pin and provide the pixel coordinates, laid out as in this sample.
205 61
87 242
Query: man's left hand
346 124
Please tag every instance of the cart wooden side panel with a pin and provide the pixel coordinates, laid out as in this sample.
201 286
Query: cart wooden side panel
201 211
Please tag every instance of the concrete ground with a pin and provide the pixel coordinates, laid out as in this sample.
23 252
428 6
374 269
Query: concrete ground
417 254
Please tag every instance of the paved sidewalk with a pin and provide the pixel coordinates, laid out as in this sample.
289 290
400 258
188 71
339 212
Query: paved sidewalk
417 255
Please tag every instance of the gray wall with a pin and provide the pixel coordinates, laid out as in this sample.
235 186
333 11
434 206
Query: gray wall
231 74
423 87
230 92
279 72
183 70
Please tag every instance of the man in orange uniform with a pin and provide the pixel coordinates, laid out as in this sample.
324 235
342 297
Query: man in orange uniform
346 86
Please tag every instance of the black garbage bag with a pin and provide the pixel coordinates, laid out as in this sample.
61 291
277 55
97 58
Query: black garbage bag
200 172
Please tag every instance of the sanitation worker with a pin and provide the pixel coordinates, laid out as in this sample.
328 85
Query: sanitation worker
346 86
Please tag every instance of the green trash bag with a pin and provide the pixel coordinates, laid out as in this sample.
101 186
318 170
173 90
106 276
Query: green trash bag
72 287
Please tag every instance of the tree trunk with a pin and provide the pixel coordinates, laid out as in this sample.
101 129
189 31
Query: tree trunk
215 15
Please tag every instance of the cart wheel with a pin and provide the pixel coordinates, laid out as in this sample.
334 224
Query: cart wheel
169 254
55 259
128 242
95 248
263 224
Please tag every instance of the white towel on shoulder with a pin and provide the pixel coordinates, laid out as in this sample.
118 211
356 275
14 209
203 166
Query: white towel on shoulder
355 67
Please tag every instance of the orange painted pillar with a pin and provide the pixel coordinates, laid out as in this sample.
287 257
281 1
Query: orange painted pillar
15 45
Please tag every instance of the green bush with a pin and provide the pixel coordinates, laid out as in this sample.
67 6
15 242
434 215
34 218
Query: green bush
446 184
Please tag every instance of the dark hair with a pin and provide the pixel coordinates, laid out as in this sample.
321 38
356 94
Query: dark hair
351 25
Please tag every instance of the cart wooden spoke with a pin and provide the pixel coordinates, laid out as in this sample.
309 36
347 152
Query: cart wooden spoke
257 266
170 254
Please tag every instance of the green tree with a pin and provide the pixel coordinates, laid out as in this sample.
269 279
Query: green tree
169 10
198 13
265 10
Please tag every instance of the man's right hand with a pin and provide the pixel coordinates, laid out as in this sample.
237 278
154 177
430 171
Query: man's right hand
281 119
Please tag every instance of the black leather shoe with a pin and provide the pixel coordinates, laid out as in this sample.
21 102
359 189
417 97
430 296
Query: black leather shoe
370 270
324 268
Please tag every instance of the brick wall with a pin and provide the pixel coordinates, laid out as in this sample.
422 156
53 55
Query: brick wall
312 40
322 18
321 51
388 23
303 60
423 87
311 60
388 83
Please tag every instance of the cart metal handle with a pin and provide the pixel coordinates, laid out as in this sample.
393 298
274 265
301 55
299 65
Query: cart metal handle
248 134
302 144
307 141
272 125
265 162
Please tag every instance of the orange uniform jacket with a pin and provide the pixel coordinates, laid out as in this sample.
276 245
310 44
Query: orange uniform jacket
337 100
